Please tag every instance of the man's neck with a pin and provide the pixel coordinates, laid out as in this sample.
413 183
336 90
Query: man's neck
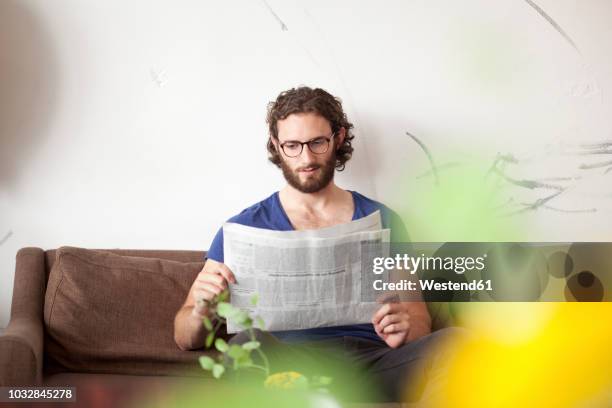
311 202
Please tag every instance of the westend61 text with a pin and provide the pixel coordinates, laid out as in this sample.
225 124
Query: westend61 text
429 284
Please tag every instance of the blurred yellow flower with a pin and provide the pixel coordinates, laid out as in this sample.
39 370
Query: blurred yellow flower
528 355
286 380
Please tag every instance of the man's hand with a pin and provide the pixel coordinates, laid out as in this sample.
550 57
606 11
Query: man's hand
189 332
399 323
392 323
210 282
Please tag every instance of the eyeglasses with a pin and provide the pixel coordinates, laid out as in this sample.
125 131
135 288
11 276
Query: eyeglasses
319 145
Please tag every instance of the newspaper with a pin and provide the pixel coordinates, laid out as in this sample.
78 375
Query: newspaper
303 279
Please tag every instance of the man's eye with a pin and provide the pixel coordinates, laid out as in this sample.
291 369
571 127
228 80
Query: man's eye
291 146
317 142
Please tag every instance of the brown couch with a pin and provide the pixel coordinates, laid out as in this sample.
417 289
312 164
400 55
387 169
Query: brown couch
99 319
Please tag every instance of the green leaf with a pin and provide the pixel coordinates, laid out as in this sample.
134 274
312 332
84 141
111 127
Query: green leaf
260 322
251 345
218 370
209 339
243 319
254 299
240 317
223 296
226 310
244 361
323 380
235 351
207 323
221 345
206 362
248 323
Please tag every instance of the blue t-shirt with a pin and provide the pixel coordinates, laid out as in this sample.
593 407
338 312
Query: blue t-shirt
269 214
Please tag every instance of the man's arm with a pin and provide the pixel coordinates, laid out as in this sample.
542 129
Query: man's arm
189 331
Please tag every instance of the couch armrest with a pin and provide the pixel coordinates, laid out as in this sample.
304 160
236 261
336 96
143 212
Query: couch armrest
21 353
21 344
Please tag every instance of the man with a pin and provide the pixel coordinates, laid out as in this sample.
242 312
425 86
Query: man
310 137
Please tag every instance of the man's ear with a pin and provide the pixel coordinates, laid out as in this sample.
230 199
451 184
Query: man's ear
274 142
340 135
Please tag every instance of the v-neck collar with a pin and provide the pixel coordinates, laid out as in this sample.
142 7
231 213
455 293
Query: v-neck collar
289 226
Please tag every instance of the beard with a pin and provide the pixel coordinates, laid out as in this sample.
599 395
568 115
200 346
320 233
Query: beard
313 183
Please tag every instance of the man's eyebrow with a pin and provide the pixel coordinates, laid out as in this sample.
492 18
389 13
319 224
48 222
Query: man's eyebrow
309 140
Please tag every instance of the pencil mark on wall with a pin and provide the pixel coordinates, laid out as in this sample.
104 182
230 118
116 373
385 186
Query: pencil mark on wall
281 22
553 23
600 145
506 158
559 178
595 165
585 150
503 160
505 204
540 202
561 183
6 237
524 194
530 184
587 210
158 76
429 157
284 28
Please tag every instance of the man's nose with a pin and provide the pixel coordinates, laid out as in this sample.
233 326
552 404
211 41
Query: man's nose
307 155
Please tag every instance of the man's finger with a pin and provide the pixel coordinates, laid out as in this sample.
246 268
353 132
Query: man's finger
390 318
213 278
396 327
201 295
384 310
211 287
380 313
227 273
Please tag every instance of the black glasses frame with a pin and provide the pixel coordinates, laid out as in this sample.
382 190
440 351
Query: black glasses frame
327 139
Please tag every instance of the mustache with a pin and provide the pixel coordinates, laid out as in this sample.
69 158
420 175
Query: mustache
309 166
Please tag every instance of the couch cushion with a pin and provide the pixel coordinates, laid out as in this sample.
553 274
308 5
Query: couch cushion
109 313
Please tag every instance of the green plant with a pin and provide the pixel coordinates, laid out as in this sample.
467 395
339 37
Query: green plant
219 311
240 356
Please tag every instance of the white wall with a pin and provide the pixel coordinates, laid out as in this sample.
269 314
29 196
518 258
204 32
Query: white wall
140 124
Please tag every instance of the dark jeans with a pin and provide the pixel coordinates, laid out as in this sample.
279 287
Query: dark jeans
363 369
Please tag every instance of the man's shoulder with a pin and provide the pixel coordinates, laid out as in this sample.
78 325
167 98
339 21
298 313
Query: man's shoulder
368 205
253 211
262 214
390 218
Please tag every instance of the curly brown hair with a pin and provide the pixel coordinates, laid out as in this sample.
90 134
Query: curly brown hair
305 99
